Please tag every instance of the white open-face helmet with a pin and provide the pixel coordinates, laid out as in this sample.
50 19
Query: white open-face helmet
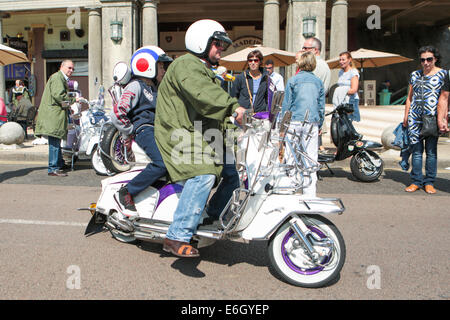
200 35
144 61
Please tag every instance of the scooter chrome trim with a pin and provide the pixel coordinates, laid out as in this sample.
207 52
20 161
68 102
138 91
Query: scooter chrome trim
300 231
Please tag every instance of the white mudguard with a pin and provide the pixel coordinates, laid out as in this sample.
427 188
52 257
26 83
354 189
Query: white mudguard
277 208
93 142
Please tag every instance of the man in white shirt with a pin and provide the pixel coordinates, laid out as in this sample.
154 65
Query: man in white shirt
322 70
275 77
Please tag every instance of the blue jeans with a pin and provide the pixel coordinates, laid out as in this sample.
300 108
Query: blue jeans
55 161
190 207
355 116
430 162
230 182
193 201
145 138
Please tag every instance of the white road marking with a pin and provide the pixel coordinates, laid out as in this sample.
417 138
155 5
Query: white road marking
40 222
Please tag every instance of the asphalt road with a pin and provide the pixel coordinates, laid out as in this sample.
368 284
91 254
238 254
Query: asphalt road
397 246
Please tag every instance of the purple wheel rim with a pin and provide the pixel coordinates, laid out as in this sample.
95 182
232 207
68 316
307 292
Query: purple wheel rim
288 261
118 152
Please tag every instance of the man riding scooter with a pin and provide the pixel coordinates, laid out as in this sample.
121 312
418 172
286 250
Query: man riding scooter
189 94
134 116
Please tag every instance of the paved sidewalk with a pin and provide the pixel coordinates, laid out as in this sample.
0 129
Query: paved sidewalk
39 153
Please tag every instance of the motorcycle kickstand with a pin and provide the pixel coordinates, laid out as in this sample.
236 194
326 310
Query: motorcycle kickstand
329 169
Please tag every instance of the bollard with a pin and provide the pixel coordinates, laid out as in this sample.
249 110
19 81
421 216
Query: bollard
11 133
387 137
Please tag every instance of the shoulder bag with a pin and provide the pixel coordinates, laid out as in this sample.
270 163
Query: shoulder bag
249 92
429 121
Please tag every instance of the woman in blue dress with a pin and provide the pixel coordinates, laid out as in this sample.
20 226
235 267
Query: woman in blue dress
425 87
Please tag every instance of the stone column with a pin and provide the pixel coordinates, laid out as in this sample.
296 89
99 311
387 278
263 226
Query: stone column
338 32
95 52
339 29
113 52
2 69
297 11
271 28
150 23
292 33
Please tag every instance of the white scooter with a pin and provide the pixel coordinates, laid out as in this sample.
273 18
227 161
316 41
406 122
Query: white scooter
304 248
84 130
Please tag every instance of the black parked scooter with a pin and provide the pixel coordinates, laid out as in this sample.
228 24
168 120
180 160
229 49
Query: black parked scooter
365 164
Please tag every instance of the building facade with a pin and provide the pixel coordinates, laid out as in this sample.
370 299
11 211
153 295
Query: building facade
96 34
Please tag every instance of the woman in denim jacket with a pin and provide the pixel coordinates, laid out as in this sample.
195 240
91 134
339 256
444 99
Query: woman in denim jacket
305 94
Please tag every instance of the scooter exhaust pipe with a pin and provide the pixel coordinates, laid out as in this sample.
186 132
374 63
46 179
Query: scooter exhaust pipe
152 236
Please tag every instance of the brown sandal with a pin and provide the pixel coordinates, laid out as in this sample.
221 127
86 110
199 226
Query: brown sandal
430 189
180 249
412 188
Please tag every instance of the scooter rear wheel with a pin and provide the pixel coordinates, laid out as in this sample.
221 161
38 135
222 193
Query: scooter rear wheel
366 166
291 262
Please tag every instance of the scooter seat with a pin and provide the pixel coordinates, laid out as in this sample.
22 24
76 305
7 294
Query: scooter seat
326 158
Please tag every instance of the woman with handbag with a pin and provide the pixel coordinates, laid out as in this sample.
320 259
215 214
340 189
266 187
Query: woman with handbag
425 87
253 87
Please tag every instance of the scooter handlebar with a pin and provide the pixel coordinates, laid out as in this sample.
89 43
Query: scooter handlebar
83 100
331 112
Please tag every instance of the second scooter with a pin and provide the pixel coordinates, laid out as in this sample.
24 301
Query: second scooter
365 164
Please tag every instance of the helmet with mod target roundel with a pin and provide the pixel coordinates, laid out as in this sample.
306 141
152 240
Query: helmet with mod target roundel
144 62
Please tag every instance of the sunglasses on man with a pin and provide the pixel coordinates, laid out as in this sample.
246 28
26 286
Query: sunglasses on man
221 44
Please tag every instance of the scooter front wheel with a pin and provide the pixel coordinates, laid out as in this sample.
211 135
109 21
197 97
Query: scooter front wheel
112 145
289 257
97 163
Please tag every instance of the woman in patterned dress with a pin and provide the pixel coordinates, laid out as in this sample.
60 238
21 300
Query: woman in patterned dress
424 90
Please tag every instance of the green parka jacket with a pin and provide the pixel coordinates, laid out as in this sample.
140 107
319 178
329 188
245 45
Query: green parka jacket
191 103
52 118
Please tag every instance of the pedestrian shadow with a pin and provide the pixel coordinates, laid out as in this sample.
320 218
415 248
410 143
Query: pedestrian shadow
440 184
18 173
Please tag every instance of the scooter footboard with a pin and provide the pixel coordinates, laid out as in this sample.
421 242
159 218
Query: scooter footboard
271 215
